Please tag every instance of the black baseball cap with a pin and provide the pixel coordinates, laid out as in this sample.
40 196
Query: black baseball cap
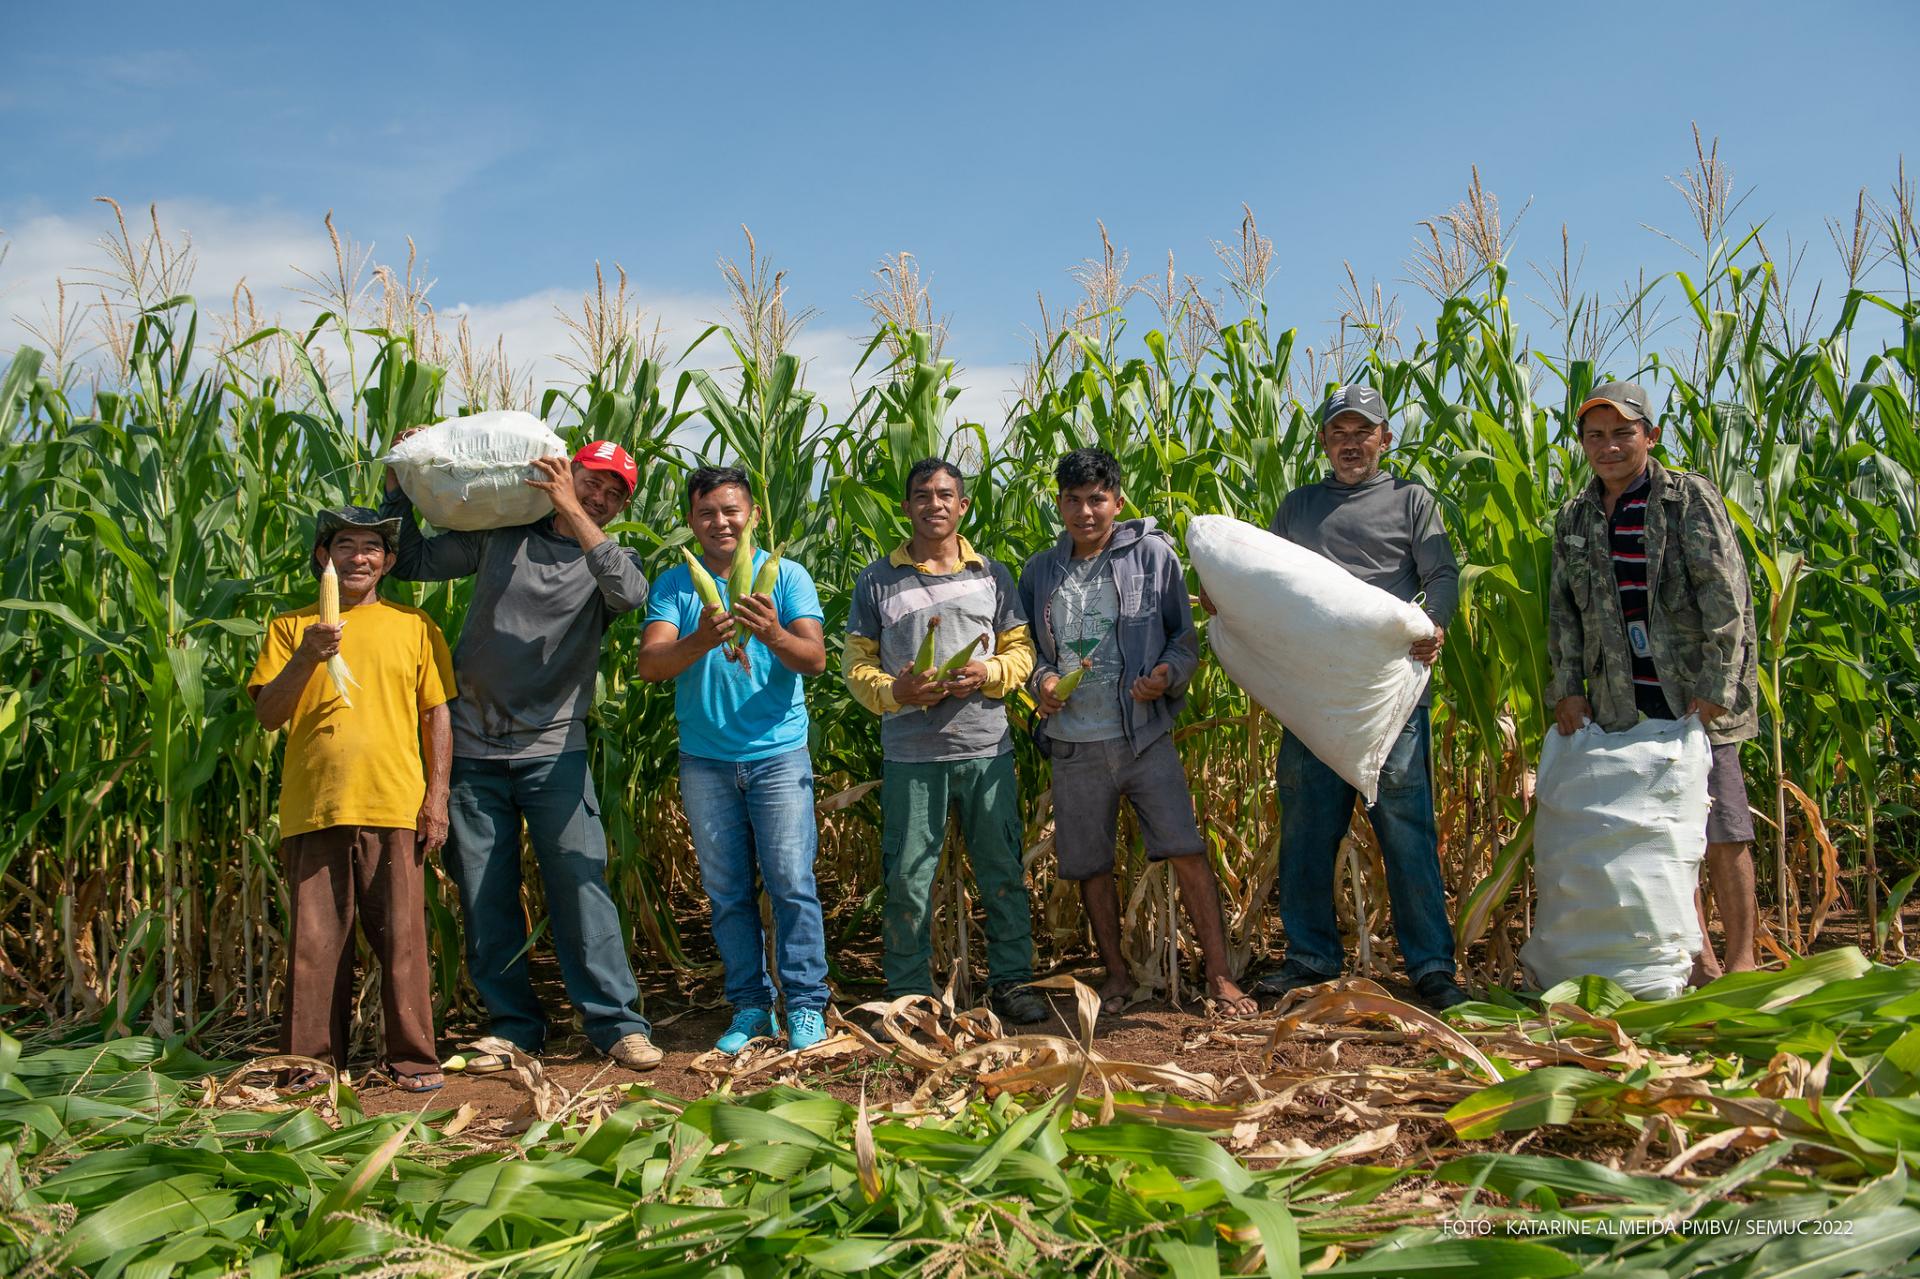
1629 397
1363 400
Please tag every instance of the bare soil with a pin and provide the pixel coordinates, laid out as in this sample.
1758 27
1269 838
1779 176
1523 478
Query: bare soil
689 1015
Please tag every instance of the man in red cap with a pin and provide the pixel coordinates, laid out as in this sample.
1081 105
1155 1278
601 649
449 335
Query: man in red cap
544 595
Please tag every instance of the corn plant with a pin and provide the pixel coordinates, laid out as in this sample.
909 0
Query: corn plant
156 520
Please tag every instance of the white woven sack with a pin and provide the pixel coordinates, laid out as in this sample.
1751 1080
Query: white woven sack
1323 651
1619 830
471 472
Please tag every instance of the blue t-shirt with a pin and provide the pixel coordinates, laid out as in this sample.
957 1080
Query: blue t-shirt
726 713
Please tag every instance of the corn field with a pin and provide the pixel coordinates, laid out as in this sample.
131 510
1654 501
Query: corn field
159 495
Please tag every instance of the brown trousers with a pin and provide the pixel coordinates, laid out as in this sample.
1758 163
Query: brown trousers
378 874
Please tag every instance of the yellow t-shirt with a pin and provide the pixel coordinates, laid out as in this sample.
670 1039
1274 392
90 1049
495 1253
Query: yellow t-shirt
359 766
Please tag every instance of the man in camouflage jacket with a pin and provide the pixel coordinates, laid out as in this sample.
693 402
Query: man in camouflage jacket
1650 612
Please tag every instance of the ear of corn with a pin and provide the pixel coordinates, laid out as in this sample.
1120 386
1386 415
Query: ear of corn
703 584
330 616
961 658
1071 680
740 579
769 575
923 660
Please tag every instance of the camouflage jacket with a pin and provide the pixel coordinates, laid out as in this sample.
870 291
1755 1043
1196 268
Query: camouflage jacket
1700 603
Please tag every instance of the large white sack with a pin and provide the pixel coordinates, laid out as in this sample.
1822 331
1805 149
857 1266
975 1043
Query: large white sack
471 472
1322 650
1620 826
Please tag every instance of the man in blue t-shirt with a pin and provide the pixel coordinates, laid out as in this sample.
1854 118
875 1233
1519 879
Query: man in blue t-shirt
746 779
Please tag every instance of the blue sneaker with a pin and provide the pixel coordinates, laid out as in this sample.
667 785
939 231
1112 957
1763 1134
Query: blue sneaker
748 1024
805 1028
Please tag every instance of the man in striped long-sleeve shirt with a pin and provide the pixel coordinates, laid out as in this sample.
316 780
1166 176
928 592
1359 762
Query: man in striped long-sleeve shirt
1650 612
944 738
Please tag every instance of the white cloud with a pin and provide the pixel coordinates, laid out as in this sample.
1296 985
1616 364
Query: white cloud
228 246
269 249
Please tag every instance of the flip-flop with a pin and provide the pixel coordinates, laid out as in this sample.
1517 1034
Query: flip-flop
425 1081
1114 1005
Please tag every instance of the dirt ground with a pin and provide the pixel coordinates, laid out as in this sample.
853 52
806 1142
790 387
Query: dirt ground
1153 1032
686 1023
687 1020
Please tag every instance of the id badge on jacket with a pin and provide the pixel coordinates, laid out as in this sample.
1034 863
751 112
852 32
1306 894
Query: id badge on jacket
1638 639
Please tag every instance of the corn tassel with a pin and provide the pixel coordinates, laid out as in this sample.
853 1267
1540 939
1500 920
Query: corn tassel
330 616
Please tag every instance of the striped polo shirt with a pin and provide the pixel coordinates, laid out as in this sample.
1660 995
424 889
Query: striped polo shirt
1627 536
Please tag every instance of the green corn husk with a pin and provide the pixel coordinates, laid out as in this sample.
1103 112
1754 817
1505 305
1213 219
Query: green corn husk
703 584
965 655
769 575
923 661
740 580
1071 680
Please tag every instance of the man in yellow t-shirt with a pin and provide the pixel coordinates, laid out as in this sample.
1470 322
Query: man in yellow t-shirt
359 807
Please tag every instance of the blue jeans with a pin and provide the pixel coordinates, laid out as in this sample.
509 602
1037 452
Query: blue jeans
1316 807
554 793
753 822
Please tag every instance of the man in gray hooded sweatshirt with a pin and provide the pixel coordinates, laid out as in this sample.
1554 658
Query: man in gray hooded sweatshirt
1110 599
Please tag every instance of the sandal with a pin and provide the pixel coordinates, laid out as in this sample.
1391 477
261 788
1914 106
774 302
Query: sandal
425 1081
303 1079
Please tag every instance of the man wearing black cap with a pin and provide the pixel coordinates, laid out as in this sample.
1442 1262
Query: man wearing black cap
359 809
1650 613
544 595
1387 532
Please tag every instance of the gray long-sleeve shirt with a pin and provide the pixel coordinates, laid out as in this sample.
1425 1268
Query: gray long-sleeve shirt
1386 531
530 646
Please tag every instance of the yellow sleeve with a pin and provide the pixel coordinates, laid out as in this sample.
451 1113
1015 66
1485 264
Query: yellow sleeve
1011 663
869 683
275 652
436 669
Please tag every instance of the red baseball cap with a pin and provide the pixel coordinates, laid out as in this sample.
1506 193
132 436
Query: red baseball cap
605 455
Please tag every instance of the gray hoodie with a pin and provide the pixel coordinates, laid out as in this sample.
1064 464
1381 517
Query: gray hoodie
1155 626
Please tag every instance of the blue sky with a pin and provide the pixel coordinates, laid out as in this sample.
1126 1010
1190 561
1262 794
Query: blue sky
518 146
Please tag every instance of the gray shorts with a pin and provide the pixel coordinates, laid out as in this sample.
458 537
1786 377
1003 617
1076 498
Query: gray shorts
1089 780
1730 819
